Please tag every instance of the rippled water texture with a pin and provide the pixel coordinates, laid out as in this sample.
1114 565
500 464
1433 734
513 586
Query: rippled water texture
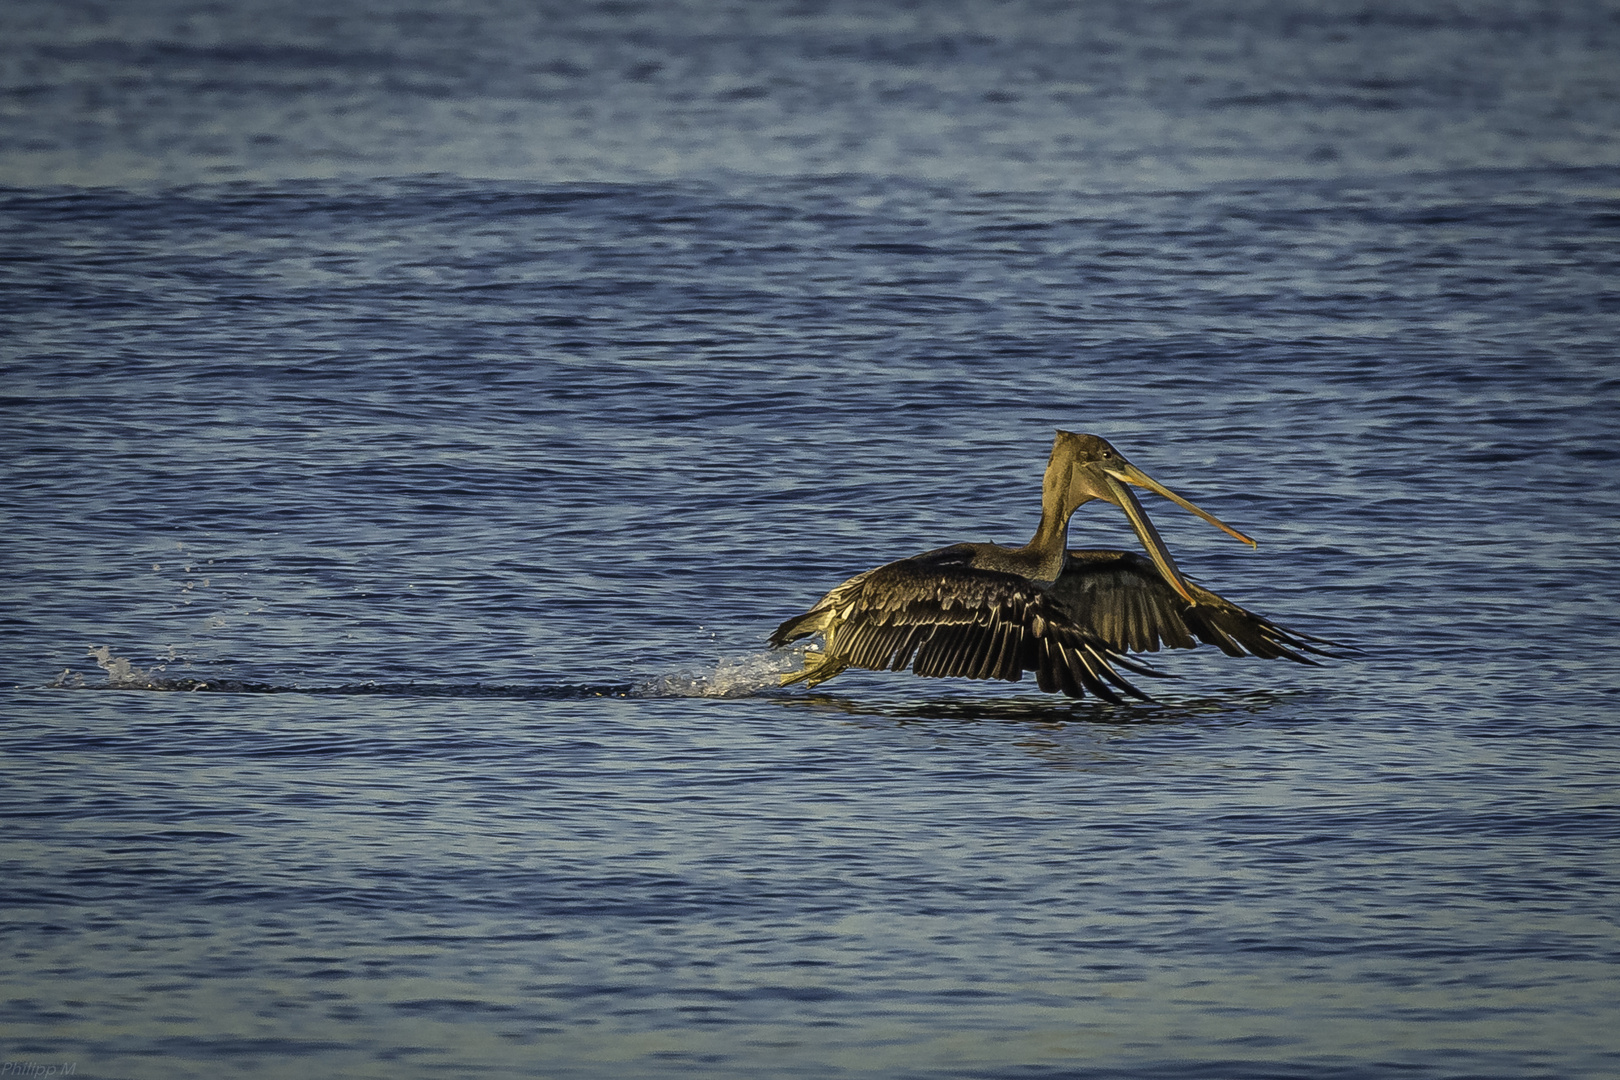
416 418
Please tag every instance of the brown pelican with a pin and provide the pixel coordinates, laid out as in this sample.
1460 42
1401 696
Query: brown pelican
983 611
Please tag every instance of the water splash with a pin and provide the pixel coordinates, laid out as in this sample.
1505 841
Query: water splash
733 676
121 674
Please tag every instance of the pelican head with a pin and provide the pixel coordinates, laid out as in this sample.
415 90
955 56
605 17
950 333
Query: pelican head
1095 470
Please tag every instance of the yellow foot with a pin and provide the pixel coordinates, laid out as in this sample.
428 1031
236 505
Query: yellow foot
818 668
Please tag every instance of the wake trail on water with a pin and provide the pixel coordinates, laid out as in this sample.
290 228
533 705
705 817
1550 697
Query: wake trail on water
731 677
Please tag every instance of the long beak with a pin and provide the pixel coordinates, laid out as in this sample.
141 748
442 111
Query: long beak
1126 498
1130 474
1117 477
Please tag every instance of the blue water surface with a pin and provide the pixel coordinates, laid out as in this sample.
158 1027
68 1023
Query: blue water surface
416 417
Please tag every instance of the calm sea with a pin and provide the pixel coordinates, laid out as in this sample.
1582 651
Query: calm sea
416 416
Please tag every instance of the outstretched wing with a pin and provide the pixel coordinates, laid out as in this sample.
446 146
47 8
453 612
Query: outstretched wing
1122 599
941 616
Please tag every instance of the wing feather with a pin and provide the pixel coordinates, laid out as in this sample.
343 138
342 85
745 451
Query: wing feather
942 616
1121 598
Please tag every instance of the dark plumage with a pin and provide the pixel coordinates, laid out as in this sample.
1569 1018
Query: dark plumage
984 611
1123 599
941 615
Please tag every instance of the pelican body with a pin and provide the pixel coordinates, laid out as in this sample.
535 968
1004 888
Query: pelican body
985 611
